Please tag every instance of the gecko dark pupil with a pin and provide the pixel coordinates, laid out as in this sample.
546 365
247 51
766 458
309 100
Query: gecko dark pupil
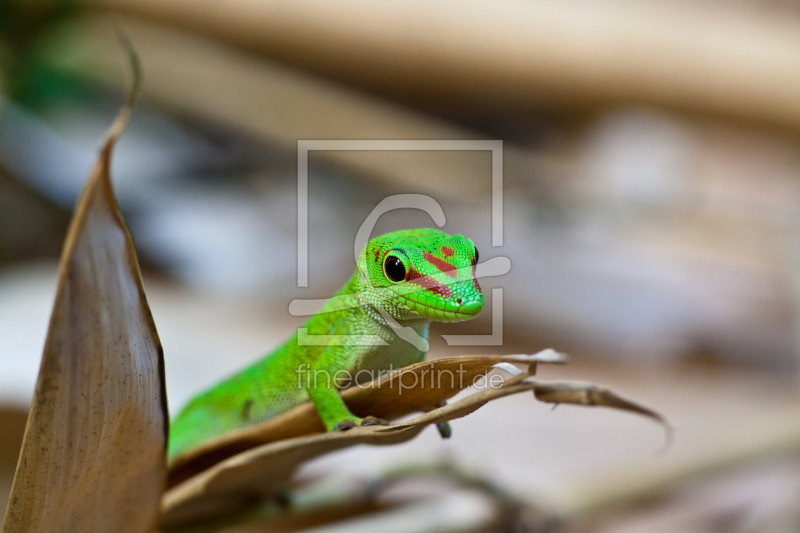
394 268
476 256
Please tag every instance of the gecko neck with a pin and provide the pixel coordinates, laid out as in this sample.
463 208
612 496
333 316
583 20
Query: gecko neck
371 306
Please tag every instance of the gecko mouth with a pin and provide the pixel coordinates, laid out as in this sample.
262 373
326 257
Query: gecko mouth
443 311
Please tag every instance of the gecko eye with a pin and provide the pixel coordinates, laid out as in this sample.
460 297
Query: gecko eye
394 268
475 261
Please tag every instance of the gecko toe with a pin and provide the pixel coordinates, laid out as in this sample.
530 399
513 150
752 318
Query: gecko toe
344 425
374 421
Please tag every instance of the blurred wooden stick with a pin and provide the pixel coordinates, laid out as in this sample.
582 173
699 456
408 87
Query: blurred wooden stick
194 75
714 58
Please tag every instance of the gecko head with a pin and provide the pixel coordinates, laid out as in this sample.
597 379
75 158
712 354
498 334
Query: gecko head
422 273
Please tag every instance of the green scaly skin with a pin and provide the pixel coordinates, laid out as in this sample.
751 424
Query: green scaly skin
438 285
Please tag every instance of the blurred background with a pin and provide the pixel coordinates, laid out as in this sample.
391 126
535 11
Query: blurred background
651 216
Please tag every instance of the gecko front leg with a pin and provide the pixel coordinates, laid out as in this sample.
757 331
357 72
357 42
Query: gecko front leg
330 407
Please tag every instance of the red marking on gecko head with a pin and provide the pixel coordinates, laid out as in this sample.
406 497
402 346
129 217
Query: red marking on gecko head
428 283
475 280
441 264
447 251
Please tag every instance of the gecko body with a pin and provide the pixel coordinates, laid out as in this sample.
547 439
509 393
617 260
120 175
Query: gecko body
405 279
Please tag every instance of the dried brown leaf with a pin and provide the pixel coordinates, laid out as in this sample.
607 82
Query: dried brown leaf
264 471
415 388
93 455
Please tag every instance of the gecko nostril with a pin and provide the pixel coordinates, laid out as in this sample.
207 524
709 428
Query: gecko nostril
458 301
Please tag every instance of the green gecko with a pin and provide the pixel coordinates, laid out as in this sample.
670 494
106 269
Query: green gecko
404 279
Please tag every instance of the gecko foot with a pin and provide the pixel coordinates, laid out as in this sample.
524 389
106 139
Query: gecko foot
374 421
344 425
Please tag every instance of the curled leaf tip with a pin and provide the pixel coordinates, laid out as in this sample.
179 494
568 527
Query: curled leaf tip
132 92
590 395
